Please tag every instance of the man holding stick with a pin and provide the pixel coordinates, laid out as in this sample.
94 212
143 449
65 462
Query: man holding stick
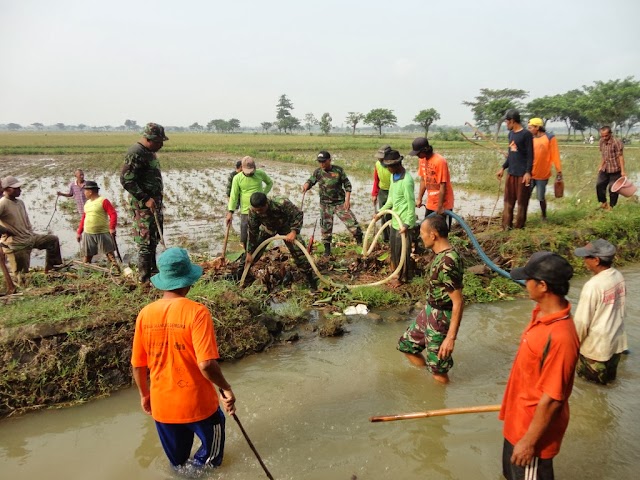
535 407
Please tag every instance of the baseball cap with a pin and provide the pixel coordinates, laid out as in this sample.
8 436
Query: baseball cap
547 266
418 145
11 182
598 248
382 150
248 165
392 157
323 156
154 132
536 122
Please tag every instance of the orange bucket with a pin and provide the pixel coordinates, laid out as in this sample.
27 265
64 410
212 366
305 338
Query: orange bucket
624 187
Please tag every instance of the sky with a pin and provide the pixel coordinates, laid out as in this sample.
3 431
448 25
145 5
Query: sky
180 62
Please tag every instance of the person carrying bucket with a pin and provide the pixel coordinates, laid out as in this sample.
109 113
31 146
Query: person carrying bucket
611 168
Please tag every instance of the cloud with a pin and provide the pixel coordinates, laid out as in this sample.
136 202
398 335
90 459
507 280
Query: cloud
404 67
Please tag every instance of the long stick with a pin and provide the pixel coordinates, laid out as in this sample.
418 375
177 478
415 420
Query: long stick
226 239
436 413
55 207
481 134
155 215
302 201
246 437
115 244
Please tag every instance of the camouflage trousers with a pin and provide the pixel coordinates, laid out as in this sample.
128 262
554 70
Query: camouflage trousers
598 372
428 331
19 256
145 231
326 221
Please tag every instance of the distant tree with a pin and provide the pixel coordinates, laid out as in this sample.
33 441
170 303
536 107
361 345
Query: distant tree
220 125
210 126
234 124
14 126
37 126
425 118
289 123
490 106
309 121
285 121
547 108
612 102
60 126
380 117
353 119
325 123
412 127
131 124
196 127
81 126
266 126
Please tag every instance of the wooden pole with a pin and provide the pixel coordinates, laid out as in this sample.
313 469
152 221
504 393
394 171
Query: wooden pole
226 239
436 413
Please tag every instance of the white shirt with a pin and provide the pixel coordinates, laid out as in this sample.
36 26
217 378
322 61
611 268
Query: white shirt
599 316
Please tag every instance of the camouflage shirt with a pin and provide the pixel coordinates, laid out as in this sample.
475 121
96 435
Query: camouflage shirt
140 175
333 184
445 274
281 218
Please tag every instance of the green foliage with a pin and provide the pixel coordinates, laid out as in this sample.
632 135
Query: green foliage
375 297
490 106
477 290
353 118
325 123
425 118
380 117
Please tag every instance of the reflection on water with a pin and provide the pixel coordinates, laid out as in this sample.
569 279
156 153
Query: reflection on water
196 203
306 408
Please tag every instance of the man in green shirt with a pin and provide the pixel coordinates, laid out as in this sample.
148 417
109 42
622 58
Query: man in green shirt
402 201
335 199
244 184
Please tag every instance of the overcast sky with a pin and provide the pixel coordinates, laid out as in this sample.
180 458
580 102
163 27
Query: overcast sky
179 62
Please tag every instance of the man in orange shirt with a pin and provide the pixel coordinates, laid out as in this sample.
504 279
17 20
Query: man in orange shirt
433 171
545 153
175 343
535 407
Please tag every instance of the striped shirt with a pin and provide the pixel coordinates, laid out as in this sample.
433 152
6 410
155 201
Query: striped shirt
611 151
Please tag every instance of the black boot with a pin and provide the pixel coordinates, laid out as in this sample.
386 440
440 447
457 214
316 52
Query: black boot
312 280
543 208
358 237
144 268
327 250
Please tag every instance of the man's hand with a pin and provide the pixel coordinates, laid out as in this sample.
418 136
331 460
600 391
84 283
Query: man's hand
228 218
526 179
145 402
151 204
112 232
304 187
403 230
446 349
248 258
623 173
228 401
347 205
440 210
499 173
418 203
374 199
290 237
78 237
523 453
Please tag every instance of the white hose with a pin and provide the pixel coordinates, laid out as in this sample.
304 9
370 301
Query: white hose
365 253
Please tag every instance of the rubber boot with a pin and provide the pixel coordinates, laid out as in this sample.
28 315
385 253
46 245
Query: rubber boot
144 269
543 208
154 265
312 280
358 237
327 250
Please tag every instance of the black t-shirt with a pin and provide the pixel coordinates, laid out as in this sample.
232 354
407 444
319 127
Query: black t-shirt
520 159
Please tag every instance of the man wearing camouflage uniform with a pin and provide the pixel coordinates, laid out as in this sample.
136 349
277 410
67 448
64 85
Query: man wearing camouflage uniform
276 216
335 199
436 326
141 177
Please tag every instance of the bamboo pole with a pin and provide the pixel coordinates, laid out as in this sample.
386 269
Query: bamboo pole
436 413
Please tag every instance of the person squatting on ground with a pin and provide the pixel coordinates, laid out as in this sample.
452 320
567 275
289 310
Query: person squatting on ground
436 327
76 190
599 317
435 180
243 185
230 178
519 163
174 344
276 216
20 238
381 184
142 178
97 228
545 153
402 202
535 407
611 167
335 199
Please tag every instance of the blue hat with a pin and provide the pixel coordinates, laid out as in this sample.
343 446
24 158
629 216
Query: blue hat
176 270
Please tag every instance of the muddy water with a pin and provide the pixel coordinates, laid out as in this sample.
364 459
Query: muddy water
306 408
196 204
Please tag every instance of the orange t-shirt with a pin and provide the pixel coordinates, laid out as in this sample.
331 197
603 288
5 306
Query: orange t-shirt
172 336
435 171
545 153
545 363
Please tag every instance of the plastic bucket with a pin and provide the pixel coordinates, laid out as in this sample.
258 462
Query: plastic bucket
624 187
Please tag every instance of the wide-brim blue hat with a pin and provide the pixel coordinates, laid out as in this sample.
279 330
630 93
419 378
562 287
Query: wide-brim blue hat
176 270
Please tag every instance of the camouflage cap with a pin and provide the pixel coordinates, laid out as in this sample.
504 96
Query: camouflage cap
154 132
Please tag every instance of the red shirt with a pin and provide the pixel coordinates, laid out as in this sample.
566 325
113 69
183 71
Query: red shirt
545 363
